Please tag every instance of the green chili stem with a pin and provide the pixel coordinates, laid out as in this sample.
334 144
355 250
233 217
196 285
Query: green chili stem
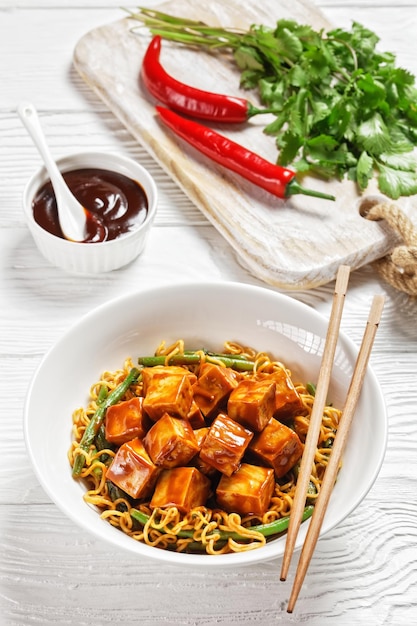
294 187
253 110
93 426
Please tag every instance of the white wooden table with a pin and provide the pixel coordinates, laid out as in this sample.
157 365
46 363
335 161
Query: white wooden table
51 572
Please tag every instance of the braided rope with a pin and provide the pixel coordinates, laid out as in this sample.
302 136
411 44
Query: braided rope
399 268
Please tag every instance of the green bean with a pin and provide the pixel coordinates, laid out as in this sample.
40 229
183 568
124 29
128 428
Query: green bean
175 359
102 394
97 419
311 388
236 362
267 530
100 440
312 489
116 493
221 355
101 443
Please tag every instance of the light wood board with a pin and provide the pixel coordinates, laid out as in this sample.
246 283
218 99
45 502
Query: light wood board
296 243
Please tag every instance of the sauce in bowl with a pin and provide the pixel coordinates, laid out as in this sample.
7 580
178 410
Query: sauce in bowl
116 204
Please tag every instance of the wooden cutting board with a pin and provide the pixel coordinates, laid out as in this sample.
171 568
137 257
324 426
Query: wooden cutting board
297 243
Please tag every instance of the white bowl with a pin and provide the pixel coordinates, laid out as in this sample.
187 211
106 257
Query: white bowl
92 258
205 315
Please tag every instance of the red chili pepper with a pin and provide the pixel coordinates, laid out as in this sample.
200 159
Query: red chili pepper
187 99
277 180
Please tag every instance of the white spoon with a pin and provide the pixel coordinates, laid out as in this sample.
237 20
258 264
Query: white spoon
71 214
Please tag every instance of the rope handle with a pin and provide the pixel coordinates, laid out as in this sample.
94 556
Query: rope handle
399 267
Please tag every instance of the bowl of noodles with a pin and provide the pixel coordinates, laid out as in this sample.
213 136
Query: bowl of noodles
170 422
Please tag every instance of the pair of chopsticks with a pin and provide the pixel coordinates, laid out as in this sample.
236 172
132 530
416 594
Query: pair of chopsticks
310 447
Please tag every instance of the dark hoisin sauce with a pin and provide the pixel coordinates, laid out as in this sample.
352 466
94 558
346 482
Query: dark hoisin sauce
115 203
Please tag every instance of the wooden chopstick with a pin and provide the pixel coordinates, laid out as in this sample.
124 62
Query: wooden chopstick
339 443
316 416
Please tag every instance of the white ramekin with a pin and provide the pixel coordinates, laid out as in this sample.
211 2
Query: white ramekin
92 258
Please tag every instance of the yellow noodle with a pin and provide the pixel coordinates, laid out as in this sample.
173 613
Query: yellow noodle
183 544
231 347
215 361
235 546
207 534
211 548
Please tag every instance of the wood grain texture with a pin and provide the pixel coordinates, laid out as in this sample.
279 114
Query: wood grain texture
364 571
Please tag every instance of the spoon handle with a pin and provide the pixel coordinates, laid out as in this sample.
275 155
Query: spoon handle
30 119
71 214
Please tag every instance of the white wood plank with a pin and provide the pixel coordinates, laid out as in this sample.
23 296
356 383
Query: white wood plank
346 5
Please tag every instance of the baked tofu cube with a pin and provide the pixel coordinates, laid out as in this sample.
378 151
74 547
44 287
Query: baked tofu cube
213 387
225 444
167 393
200 435
182 487
125 421
160 371
195 416
277 446
252 403
288 401
132 470
249 490
171 442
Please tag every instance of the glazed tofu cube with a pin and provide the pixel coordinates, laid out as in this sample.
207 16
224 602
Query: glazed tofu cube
125 421
132 470
182 487
167 393
252 403
249 490
200 435
277 446
288 401
195 416
160 371
171 442
213 387
225 444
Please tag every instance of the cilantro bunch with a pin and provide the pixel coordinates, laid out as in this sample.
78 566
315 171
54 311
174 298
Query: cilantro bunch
342 109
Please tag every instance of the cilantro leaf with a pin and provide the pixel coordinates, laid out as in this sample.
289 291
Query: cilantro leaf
373 91
288 44
364 170
298 76
289 145
319 111
373 136
395 183
248 59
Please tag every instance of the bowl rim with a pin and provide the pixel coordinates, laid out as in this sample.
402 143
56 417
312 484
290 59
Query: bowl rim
180 559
